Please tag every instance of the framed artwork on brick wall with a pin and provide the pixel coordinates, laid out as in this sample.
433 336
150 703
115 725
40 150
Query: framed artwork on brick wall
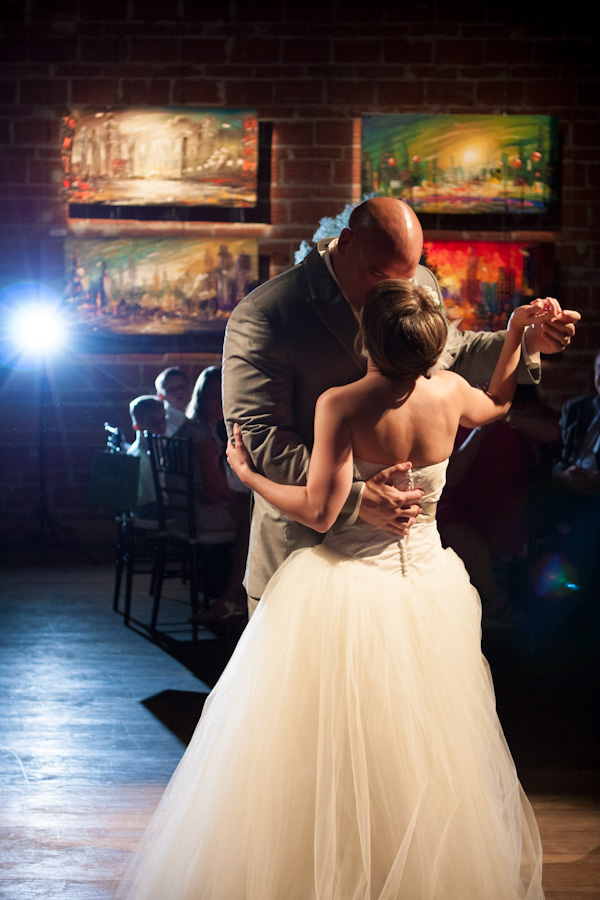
156 287
483 281
159 159
471 164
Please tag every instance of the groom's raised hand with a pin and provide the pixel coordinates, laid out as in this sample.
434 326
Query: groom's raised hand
388 502
554 335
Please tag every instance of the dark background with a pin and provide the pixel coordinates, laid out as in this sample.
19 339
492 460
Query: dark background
310 70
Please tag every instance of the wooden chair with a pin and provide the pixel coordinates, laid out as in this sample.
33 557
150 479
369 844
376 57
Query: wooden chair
114 487
172 464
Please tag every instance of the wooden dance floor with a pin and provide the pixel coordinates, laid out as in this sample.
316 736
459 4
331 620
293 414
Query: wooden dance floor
95 718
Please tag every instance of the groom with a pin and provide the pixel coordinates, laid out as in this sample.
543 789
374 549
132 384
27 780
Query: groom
293 338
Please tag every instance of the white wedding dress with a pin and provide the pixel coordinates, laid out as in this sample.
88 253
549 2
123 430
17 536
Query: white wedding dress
351 749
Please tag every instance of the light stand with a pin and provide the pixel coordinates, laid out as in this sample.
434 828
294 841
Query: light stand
38 345
48 530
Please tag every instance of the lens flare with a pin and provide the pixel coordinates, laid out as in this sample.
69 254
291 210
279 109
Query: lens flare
555 577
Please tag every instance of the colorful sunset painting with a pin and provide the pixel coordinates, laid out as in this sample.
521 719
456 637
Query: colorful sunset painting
483 281
169 285
160 157
462 163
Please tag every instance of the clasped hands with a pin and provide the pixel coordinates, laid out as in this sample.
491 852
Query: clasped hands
388 501
552 336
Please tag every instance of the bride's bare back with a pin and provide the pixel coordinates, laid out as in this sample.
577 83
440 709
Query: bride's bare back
391 422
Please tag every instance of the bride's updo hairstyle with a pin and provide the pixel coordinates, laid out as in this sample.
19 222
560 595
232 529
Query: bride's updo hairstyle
402 329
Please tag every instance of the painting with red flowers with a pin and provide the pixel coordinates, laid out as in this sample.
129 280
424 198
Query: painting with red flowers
462 163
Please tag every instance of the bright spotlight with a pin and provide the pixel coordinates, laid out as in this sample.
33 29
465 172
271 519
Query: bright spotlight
38 329
34 321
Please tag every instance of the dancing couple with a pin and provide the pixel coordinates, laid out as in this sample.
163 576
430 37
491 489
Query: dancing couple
351 749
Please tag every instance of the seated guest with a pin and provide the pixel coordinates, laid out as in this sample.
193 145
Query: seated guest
575 504
173 388
147 414
579 466
223 507
485 513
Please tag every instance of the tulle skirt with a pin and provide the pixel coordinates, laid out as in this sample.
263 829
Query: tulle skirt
350 751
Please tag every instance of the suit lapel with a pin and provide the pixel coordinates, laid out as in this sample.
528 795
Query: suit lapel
325 299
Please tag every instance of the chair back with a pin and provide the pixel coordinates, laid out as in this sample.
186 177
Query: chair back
113 482
172 464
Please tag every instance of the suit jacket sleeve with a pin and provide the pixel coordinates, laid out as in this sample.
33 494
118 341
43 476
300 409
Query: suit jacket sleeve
259 391
474 354
258 394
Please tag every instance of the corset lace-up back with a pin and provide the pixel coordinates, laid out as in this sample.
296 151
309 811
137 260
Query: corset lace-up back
417 553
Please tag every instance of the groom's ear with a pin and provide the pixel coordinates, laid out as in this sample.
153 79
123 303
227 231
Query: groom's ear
344 241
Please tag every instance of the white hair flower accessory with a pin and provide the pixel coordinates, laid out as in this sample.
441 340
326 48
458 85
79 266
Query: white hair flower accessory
434 296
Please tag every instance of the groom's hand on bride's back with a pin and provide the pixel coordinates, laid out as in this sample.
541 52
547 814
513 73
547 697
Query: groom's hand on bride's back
388 502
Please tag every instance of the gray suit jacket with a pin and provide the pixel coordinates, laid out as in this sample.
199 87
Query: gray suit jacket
288 341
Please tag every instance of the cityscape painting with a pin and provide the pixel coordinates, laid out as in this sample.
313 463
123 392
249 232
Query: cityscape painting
482 282
160 157
157 286
462 163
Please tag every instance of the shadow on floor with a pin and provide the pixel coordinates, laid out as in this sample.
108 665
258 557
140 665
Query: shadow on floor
178 711
207 657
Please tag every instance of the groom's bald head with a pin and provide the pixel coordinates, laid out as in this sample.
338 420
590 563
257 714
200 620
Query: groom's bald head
384 240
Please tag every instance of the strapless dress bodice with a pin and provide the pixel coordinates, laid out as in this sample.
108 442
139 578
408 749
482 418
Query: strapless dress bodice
418 553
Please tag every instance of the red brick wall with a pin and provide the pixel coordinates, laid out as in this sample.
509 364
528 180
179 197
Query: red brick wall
311 70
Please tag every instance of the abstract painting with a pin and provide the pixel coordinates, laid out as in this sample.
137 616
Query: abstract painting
160 157
483 281
157 286
462 163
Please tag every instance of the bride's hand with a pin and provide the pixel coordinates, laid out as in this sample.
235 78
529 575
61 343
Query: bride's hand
535 313
388 502
551 334
239 458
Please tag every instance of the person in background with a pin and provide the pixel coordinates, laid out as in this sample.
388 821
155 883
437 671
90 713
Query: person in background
486 511
147 414
173 388
579 466
574 512
223 505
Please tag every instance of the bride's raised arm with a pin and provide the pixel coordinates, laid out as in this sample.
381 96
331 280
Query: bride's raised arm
481 407
329 479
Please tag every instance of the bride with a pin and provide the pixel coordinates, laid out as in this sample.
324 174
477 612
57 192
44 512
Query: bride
351 749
